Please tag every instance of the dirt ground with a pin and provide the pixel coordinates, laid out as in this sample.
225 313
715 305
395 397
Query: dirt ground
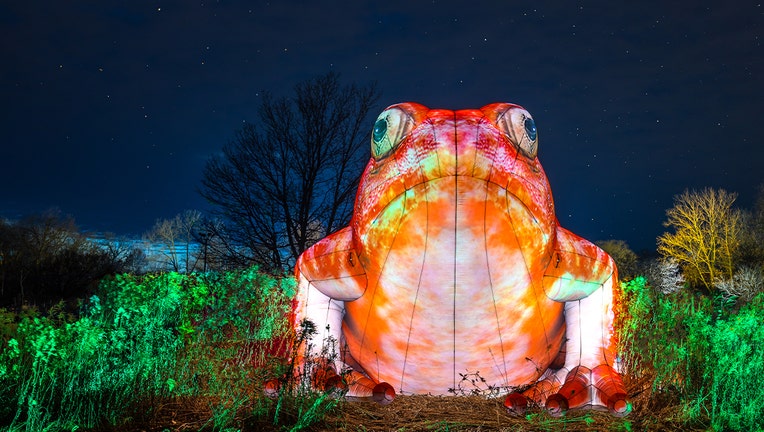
433 413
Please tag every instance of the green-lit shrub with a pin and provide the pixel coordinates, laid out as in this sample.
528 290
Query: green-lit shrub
663 334
79 373
695 350
297 403
213 337
735 369
236 333
8 353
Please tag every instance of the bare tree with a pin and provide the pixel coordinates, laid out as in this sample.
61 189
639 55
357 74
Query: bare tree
214 245
122 250
290 179
176 236
751 252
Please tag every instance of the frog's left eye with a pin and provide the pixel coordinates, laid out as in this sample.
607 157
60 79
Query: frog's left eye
519 126
389 130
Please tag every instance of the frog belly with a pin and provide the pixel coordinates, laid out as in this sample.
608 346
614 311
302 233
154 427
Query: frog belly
454 286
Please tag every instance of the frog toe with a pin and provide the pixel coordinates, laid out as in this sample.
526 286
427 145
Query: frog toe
516 403
610 390
383 393
574 393
271 388
362 388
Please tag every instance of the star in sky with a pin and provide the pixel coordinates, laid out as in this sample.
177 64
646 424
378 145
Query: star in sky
113 119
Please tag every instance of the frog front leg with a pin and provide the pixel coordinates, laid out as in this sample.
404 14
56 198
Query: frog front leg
330 274
584 277
589 377
318 329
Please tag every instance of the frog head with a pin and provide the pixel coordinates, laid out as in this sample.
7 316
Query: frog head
413 147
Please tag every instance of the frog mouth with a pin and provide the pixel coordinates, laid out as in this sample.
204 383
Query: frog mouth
471 196
464 204
467 189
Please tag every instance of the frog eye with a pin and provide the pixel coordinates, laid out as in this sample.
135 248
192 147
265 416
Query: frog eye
519 126
389 130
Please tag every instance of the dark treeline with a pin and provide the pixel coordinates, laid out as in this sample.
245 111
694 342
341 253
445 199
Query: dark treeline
44 259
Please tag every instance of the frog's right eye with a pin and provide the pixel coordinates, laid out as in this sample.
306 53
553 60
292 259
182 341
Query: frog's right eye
519 126
390 129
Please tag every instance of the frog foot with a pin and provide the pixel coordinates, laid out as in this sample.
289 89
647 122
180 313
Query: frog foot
360 388
517 402
581 387
354 385
315 375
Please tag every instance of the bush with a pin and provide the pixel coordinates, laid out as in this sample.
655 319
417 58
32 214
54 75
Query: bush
711 360
80 373
144 339
735 369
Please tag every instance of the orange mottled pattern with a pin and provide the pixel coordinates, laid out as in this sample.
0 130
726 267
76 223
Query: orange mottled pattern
454 262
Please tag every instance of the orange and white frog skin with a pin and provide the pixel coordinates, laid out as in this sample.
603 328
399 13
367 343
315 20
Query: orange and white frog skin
454 263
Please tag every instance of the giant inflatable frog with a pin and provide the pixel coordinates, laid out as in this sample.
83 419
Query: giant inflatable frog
454 264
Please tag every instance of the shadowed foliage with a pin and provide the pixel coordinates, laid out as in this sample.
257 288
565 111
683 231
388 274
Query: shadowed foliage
45 258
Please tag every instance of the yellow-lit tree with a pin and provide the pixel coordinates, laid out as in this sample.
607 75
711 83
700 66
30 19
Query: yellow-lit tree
706 237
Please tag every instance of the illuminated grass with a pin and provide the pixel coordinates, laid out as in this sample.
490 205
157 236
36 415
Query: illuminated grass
708 353
143 339
197 349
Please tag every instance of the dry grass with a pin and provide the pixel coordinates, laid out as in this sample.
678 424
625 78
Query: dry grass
474 413
428 413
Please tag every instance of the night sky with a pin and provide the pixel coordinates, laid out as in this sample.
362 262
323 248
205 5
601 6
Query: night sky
110 109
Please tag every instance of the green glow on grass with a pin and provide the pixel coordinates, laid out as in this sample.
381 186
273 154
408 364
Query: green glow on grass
141 338
710 357
212 337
